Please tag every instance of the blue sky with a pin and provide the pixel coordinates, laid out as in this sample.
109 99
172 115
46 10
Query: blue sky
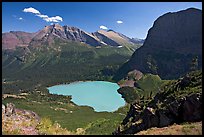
135 18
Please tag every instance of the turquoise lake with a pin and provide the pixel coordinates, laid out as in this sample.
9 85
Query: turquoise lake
100 95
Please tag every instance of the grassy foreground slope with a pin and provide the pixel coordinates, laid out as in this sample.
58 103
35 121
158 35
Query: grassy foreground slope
60 109
181 129
178 101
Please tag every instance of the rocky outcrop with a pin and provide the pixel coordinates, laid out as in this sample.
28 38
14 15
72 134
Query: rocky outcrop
189 110
3 109
127 83
19 120
171 44
135 75
9 109
131 78
177 103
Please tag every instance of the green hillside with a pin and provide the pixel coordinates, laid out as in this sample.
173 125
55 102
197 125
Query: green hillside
27 68
145 88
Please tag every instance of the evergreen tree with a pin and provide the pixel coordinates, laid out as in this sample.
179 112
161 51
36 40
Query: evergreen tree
151 64
194 64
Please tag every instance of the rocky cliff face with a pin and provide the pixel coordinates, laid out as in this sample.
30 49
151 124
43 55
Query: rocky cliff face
66 33
171 44
177 102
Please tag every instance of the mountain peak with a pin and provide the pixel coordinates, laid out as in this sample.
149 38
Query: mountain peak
58 27
111 30
54 26
193 9
171 43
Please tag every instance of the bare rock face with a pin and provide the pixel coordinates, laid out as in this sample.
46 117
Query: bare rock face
47 35
66 33
171 44
14 39
114 38
135 74
105 39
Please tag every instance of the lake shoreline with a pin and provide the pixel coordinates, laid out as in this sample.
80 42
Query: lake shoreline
80 96
75 82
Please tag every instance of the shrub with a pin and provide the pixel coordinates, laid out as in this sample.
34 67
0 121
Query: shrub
46 127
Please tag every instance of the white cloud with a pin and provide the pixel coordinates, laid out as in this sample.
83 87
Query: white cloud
31 10
44 17
50 19
18 18
53 19
103 27
119 21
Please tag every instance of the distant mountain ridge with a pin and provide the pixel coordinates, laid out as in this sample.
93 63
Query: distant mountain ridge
16 38
48 34
138 41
